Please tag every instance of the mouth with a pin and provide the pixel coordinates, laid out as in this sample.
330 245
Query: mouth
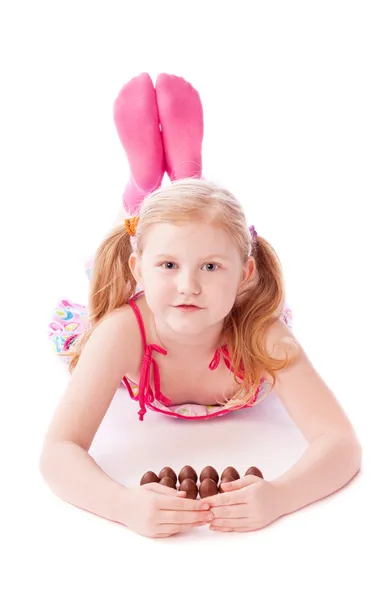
188 307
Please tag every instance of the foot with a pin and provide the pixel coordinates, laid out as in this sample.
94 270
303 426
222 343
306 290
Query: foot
136 118
181 117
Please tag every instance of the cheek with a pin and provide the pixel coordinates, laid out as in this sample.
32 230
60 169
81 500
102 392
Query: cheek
224 304
157 296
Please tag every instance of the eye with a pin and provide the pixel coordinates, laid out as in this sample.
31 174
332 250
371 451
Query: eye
173 263
212 264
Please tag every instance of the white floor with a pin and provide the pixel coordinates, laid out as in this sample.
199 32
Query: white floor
54 543
298 124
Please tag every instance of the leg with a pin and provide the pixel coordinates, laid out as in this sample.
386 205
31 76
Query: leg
136 118
181 117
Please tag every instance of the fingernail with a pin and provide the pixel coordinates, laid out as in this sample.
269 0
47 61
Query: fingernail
205 506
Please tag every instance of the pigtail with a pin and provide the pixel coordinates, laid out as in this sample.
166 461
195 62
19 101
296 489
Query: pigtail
111 285
256 309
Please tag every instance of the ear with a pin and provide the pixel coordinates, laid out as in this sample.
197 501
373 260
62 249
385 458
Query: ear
248 272
134 265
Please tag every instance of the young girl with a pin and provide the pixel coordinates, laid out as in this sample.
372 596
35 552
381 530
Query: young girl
187 311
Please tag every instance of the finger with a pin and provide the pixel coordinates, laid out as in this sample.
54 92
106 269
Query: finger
230 523
226 499
158 488
236 530
163 490
169 494
240 483
235 511
170 529
175 503
184 517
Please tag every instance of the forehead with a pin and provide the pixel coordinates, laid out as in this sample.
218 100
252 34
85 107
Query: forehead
188 238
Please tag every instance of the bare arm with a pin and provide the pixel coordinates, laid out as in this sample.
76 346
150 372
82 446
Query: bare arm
334 454
74 476
326 466
68 469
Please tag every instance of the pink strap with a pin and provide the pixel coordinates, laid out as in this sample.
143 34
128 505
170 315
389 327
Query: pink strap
226 357
139 318
215 361
145 392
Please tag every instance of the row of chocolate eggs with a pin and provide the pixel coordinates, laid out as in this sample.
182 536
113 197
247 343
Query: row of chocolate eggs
187 479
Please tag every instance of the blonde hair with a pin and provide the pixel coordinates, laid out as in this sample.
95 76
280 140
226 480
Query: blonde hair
256 307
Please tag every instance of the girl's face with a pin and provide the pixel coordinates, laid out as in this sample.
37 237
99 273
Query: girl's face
190 264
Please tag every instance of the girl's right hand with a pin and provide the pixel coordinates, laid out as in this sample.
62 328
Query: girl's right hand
155 510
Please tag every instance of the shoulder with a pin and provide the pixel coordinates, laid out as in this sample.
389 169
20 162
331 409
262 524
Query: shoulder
279 339
280 343
117 337
124 325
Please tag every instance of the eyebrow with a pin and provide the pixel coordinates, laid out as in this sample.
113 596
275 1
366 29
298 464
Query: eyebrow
211 256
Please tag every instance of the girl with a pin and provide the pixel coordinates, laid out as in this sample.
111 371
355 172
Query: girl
186 302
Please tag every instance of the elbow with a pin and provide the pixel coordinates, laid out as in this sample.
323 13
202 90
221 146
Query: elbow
43 464
351 452
46 462
358 455
348 448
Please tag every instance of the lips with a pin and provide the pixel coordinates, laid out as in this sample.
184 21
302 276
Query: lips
187 306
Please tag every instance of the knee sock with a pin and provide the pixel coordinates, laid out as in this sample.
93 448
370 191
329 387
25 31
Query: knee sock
136 118
181 117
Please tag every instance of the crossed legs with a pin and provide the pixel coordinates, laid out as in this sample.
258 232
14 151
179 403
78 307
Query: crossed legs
160 129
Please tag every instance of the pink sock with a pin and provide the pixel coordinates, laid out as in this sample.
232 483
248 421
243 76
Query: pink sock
181 117
136 118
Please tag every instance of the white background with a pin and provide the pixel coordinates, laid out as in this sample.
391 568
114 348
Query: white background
297 104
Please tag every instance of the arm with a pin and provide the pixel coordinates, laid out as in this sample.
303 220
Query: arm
334 454
68 469
74 476
326 466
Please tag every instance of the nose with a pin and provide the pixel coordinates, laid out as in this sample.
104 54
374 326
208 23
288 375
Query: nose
187 283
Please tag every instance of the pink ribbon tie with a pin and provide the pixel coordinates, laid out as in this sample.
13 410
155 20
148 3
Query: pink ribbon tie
145 379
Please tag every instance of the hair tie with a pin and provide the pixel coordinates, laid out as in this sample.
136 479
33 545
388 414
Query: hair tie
131 225
253 232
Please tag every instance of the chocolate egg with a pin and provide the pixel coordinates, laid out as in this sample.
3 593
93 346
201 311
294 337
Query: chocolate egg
230 471
190 487
209 473
168 481
168 472
208 487
225 480
254 471
149 477
187 472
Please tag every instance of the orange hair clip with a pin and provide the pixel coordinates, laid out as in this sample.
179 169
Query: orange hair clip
131 225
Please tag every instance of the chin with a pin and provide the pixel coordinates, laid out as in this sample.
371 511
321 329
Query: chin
184 326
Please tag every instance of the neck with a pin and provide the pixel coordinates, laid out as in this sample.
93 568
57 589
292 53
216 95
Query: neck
201 344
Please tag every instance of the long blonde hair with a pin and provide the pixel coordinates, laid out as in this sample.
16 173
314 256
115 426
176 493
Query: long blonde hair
256 307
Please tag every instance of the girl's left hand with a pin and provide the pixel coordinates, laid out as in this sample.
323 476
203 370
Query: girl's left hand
248 504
